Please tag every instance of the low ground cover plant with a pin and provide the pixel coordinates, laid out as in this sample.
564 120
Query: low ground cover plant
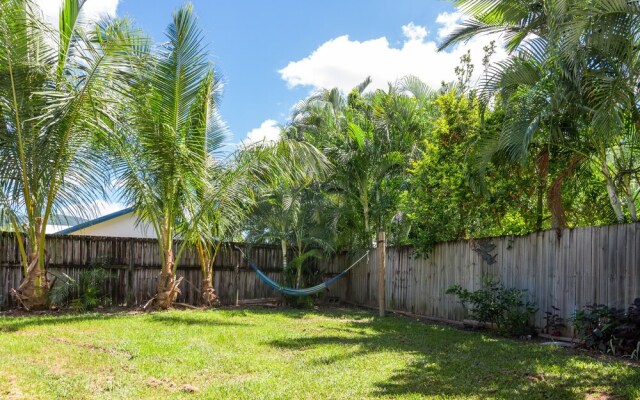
554 323
611 330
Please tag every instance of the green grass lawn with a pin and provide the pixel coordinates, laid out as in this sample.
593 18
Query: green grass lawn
264 354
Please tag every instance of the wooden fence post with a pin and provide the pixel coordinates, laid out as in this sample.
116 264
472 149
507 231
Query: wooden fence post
131 298
382 259
236 283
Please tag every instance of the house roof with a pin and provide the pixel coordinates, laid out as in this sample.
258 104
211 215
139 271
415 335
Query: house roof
96 221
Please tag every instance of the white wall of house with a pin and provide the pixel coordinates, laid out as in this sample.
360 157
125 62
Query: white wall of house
122 226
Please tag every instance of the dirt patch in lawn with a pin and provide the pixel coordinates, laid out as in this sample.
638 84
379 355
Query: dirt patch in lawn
172 386
14 392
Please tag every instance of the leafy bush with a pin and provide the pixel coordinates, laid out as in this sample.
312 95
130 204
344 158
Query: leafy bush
311 276
495 304
84 293
554 323
610 330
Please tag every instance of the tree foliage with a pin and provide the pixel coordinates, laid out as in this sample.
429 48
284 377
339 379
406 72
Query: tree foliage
59 96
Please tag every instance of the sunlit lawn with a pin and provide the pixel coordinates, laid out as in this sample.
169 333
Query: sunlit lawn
287 354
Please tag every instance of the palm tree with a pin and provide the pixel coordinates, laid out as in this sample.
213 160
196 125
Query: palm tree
370 138
519 21
226 203
543 123
230 199
218 199
603 44
380 142
58 94
168 160
571 81
161 156
298 216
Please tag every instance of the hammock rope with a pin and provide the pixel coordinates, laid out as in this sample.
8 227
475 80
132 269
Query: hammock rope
304 291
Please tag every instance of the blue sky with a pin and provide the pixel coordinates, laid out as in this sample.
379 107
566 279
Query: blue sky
251 42
272 54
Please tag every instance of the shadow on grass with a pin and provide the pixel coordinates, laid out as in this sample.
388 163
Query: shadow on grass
333 313
25 321
13 324
173 319
454 363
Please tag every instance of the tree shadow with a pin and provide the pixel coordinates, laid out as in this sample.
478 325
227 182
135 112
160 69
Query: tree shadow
333 313
19 322
302 313
428 376
14 323
450 362
172 319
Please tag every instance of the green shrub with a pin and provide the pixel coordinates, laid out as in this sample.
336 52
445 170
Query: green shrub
611 330
84 293
311 276
495 304
554 323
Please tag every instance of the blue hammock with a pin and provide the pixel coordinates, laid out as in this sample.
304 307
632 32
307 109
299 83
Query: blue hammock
306 291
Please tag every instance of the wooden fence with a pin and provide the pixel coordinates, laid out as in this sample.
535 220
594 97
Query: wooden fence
568 270
134 265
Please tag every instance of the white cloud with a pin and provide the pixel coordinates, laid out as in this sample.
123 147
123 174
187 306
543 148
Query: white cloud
268 131
449 21
91 11
344 63
414 32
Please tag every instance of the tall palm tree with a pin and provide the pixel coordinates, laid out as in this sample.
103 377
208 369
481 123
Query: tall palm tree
205 228
59 93
161 156
227 200
168 157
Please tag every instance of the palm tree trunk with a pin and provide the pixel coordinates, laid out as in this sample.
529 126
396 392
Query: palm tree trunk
298 265
283 246
558 217
542 164
364 201
630 202
612 192
208 295
168 285
33 292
